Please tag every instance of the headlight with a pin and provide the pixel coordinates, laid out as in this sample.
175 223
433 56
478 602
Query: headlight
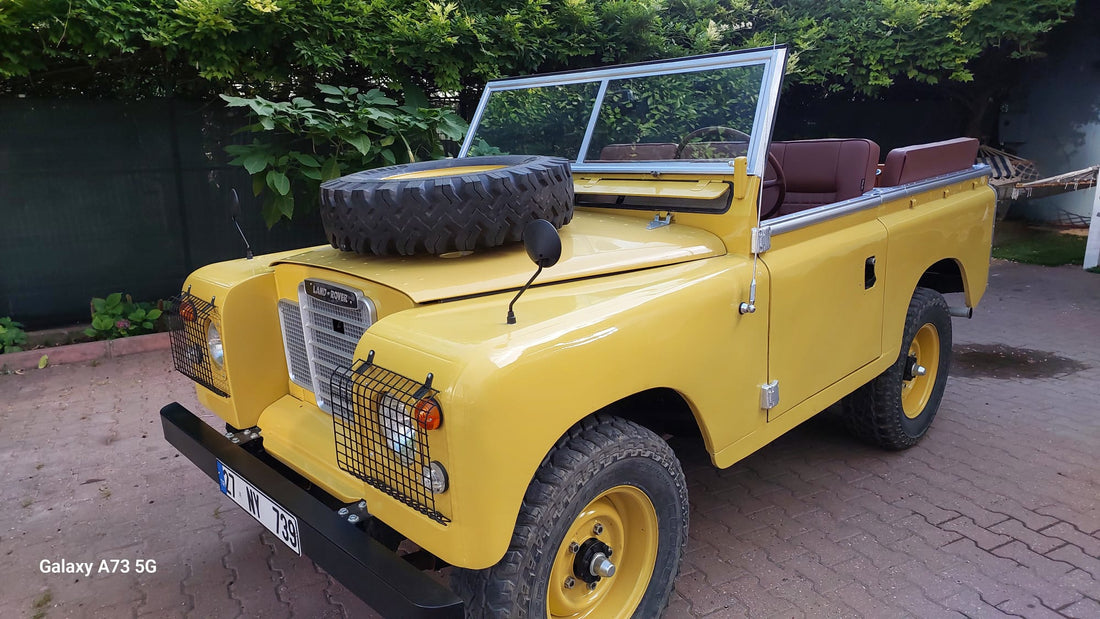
214 345
398 427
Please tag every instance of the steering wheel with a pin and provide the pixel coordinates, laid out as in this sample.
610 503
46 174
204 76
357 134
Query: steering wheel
720 131
773 189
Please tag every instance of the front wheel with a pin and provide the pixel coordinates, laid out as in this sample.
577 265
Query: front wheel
895 409
600 534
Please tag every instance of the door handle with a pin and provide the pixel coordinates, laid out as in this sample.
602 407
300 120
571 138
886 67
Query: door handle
869 277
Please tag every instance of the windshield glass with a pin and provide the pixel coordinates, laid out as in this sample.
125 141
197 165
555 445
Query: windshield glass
685 115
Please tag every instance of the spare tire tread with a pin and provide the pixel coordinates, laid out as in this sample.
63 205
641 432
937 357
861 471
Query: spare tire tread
366 213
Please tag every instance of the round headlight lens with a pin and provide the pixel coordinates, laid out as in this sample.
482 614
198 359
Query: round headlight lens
214 345
398 427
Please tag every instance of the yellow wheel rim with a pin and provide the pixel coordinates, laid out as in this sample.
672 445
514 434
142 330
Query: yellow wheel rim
924 352
627 522
439 172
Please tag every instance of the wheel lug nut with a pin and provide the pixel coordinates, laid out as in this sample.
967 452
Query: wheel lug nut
569 582
591 586
574 547
598 529
920 370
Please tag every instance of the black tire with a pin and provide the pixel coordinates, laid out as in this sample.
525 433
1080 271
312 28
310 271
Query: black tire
371 212
601 454
877 411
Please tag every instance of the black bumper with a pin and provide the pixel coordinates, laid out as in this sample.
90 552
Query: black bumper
371 571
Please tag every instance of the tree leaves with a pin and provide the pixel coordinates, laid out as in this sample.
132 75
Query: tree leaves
300 144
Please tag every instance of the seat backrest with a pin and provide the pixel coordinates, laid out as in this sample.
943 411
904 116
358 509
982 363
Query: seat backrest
653 151
819 172
714 150
921 161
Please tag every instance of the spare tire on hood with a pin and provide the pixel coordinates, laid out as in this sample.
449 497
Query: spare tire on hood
445 205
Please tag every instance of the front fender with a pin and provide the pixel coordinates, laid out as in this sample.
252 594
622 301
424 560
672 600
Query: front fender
509 392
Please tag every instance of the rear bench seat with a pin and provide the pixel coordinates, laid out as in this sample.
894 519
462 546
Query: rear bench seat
642 151
914 163
819 172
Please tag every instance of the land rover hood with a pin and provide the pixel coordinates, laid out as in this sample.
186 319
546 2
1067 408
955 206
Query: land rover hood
592 245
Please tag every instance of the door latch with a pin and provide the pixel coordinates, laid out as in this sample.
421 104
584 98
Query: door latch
869 277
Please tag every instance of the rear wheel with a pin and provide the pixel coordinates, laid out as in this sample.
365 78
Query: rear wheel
600 534
895 410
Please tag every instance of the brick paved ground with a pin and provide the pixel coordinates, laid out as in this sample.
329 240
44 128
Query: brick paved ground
996 513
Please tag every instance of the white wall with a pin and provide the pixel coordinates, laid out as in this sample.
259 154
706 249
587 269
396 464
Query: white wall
1054 119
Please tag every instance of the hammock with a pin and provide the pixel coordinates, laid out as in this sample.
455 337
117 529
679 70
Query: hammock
1016 178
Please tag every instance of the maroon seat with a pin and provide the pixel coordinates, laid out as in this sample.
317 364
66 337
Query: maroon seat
819 172
714 150
655 151
914 163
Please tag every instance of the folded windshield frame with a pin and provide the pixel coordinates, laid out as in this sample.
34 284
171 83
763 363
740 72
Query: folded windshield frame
771 60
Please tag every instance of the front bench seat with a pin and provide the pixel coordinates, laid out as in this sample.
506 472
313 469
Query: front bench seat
820 172
641 151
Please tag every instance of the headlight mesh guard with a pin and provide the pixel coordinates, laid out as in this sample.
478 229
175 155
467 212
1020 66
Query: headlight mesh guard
377 436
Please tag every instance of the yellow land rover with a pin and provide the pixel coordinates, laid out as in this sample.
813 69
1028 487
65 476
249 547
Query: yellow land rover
481 368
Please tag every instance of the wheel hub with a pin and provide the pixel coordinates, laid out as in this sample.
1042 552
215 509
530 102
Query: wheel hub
593 561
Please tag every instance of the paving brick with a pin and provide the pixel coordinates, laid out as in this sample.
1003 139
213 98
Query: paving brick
971 605
705 598
983 538
1069 533
1044 566
1074 556
757 600
1039 542
1029 606
1085 608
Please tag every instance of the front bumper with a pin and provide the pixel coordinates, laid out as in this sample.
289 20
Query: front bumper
383 580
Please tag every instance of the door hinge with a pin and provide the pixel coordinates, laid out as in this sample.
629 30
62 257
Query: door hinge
769 395
761 239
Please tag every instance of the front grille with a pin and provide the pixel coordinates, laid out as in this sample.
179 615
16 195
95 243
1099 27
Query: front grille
377 436
188 319
294 343
331 333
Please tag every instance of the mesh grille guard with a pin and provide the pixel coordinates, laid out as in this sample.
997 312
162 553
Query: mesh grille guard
188 318
377 436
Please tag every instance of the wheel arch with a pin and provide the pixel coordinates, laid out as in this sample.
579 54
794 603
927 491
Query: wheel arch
662 410
945 276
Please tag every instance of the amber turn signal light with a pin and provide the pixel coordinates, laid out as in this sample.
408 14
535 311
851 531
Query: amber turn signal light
187 311
428 414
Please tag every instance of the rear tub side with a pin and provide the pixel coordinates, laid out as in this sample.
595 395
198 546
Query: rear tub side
949 221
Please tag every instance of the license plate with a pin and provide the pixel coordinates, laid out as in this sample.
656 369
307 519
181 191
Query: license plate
269 513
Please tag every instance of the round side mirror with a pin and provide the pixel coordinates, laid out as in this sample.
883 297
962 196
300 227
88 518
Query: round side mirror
543 245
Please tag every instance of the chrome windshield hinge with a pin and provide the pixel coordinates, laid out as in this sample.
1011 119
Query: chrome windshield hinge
659 221
761 239
769 395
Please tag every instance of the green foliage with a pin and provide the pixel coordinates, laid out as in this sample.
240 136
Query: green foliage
12 336
866 45
300 143
273 47
119 316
